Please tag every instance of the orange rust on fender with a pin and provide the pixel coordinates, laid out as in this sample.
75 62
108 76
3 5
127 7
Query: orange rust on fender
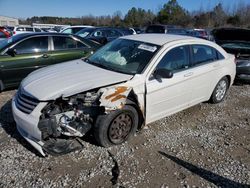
116 98
118 91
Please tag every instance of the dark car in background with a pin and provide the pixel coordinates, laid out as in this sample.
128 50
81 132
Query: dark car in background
24 53
158 28
236 41
102 35
74 29
177 31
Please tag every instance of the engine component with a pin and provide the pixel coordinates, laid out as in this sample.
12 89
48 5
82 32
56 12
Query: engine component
72 116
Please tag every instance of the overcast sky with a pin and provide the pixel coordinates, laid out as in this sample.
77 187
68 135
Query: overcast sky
76 8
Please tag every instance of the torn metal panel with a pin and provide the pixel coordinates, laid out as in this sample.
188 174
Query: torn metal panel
114 97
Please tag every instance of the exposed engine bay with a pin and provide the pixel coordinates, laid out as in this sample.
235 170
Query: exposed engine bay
68 118
71 117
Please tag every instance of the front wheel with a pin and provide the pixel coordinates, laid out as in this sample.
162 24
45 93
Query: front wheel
116 127
220 91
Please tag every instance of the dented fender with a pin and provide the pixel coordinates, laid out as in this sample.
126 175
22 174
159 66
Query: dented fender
114 98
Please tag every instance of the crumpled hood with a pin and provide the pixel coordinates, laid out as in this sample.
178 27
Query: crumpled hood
69 78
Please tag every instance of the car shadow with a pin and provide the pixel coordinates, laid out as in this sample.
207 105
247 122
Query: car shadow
205 174
9 126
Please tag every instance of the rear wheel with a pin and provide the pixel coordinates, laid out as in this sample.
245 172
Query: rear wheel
220 91
116 127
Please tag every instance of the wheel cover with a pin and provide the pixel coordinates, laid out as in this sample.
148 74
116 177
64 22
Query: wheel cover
120 128
221 90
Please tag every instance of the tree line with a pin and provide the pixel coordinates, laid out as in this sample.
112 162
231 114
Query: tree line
172 13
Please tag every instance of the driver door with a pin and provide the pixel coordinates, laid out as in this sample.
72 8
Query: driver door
31 54
166 96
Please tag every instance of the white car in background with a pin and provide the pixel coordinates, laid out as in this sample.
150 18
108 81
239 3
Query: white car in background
24 29
74 29
130 82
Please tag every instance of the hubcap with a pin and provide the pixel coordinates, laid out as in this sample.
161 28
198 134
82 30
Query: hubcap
120 128
221 90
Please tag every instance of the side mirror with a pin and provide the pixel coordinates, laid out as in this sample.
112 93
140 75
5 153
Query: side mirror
163 73
11 52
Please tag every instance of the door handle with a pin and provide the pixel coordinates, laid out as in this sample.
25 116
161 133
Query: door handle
188 74
45 56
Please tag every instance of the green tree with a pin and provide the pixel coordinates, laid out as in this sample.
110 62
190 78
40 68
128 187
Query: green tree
173 13
139 17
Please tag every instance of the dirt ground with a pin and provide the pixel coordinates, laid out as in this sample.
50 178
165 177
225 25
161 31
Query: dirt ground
204 146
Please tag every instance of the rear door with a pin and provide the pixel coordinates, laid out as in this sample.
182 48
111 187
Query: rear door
205 70
31 54
66 48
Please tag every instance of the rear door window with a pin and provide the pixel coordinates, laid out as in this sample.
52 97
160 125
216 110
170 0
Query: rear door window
65 43
203 54
32 45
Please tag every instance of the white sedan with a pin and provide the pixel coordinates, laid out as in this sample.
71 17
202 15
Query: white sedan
128 83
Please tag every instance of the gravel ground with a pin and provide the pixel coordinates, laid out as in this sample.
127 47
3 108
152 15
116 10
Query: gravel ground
204 146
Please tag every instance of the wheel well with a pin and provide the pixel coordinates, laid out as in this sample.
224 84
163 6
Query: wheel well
1 86
132 100
229 79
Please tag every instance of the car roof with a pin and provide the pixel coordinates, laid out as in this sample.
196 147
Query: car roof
23 35
158 39
75 26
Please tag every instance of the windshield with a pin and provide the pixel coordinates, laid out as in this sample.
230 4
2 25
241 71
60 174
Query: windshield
85 32
7 42
125 56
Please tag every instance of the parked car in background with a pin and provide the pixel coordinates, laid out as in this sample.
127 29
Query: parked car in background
236 41
177 31
126 31
4 34
24 53
138 30
158 28
102 34
24 29
74 29
50 30
199 33
131 81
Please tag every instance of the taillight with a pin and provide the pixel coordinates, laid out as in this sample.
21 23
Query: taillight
14 32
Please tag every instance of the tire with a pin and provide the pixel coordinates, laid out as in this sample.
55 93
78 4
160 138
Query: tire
116 127
220 91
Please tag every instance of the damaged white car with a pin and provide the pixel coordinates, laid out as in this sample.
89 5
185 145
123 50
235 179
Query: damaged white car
128 83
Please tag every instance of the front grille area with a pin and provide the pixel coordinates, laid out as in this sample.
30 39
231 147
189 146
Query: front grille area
25 102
